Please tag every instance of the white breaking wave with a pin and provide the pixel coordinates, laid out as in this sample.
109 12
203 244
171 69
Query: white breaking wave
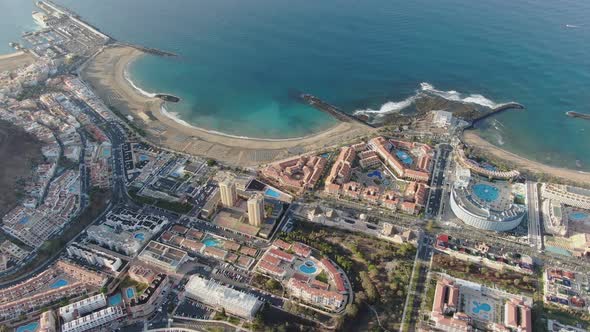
388 107
175 117
140 90
428 89
456 96
500 139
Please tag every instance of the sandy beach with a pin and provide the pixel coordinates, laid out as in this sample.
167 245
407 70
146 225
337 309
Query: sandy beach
14 60
106 74
472 139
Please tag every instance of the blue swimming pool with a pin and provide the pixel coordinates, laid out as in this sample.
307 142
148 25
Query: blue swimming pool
486 192
325 155
376 173
143 157
130 292
211 242
579 216
477 307
24 220
139 236
558 250
404 157
59 283
115 300
308 267
272 193
31 327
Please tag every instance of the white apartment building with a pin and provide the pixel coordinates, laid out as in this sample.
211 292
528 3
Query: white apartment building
94 257
94 320
218 296
80 308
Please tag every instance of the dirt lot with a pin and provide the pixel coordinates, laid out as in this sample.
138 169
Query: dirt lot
19 152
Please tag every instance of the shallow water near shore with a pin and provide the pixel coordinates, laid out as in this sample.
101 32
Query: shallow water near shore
241 63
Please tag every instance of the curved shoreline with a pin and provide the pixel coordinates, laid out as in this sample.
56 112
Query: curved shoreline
105 73
180 121
471 138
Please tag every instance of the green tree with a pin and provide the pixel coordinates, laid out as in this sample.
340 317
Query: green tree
351 310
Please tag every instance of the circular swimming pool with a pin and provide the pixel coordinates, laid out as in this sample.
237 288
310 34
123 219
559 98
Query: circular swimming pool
486 192
308 267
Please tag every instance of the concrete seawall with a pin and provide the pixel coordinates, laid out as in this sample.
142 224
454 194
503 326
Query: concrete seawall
495 111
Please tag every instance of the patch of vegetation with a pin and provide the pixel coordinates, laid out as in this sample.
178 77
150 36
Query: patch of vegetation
378 270
130 123
510 281
322 276
177 207
267 284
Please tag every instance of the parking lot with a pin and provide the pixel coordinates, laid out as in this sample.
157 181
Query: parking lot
193 309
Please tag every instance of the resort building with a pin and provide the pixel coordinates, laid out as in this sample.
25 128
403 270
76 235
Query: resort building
572 196
517 316
445 313
120 241
48 322
284 256
460 305
218 296
150 300
229 195
95 257
266 266
310 294
163 256
61 280
401 163
256 210
141 274
296 174
12 250
342 167
94 320
83 307
487 206
408 162
335 275
566 289
474 167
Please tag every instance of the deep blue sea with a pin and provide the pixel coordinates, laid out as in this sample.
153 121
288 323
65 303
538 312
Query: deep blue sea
242 61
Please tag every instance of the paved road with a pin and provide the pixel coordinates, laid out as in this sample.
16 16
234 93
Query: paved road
437 181
423 255
534 220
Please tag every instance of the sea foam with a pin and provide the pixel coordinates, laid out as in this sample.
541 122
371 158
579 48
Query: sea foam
424 90
140 90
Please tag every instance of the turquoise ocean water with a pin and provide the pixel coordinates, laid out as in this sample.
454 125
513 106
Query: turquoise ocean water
241 62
